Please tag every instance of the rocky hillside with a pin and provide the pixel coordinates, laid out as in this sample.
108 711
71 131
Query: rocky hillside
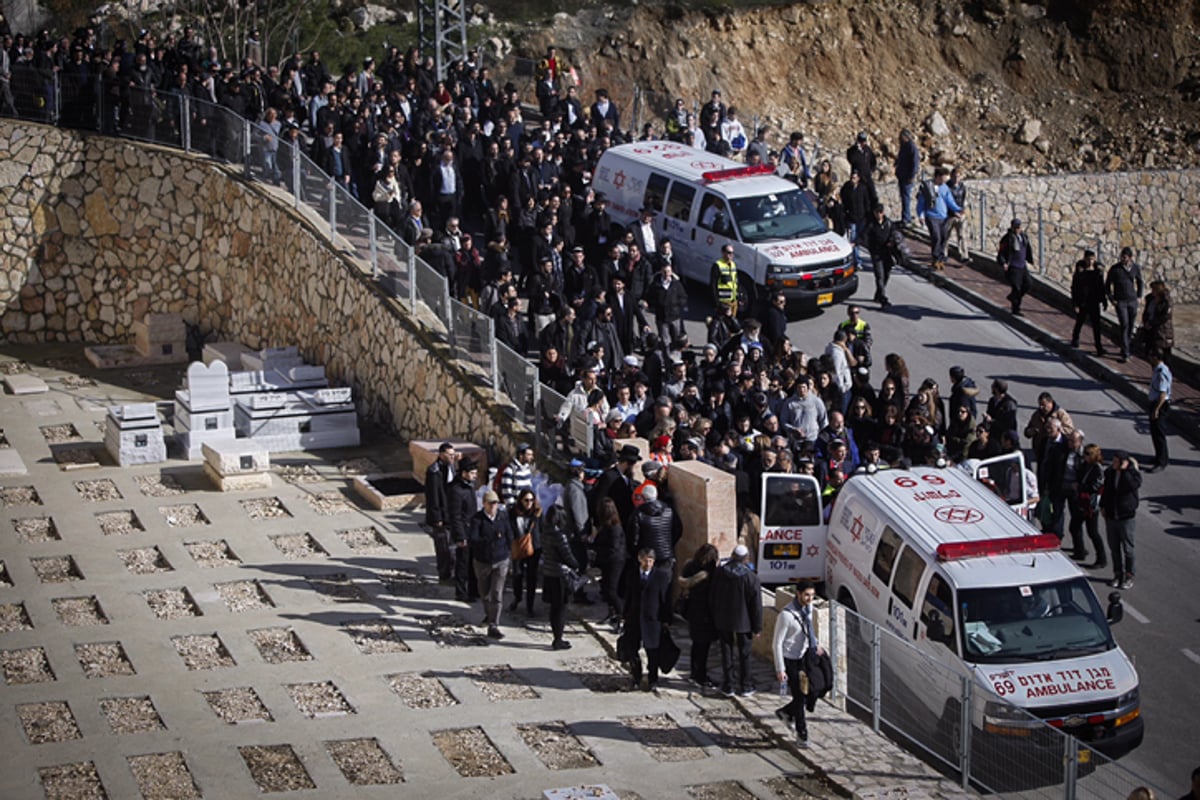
997 86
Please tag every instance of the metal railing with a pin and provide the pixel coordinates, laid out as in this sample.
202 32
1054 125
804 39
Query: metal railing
518 378
934 710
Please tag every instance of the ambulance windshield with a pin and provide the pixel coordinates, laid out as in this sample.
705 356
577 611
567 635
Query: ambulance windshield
779 215
1032 623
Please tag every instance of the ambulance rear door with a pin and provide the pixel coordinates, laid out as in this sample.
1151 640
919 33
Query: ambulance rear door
1005 475
791 542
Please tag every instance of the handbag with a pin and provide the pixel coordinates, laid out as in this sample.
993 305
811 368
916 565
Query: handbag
522 546
574 580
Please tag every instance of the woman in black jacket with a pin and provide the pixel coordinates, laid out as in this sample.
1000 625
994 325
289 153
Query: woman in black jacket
694 582
526 516
557 558
610 555
1091 482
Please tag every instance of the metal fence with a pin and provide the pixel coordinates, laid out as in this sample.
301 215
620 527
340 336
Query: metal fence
178 119
934 710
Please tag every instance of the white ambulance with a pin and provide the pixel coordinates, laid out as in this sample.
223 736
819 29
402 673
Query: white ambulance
703 202
938 557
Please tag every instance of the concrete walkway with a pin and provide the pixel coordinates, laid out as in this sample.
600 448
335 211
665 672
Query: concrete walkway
159 638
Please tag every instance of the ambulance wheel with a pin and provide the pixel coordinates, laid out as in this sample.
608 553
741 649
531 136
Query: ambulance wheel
747 296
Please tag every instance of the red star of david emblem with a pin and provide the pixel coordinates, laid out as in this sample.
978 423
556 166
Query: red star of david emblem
856 529
619 179
813 551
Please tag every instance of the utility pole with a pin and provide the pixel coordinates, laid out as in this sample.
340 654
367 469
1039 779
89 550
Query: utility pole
442 31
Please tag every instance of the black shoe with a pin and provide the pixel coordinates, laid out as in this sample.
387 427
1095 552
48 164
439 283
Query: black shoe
885 303
494 633
1079 555
1152 470
650 686
514 605
1101 352
1075 343
560 644
1098 565
462 598
783 716
1017 312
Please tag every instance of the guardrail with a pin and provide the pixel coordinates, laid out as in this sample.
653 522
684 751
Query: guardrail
932 709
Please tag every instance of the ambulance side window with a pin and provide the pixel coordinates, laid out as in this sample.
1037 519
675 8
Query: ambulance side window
656 191
679 203
885 555
939 598
908 576
714 216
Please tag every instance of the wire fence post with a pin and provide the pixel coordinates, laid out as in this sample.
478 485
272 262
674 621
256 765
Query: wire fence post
964 732
982 222
1099 251
185 124
333 209
295 174
373 245
876 678
497 393
834 650
412 279
1041 244
246 146
1070 763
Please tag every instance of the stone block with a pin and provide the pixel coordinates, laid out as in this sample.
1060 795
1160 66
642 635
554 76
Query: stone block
211 420
377 491
207 386
193 440
131 445
424 452
25 383
238 483
228 352
272 358
236 457
135 413
327 397
706 501
264 401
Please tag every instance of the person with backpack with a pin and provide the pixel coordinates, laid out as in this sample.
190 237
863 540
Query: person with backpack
1015 257
936 204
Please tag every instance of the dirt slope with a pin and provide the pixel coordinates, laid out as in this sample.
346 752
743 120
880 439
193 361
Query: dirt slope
1028 87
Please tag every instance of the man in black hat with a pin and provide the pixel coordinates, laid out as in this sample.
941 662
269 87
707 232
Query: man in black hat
438 479
597 232
461 507
617 482
862 160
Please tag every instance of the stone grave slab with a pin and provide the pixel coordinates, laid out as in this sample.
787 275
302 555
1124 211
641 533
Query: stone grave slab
11 463
706 501
389 491
424 452
25 383
230 353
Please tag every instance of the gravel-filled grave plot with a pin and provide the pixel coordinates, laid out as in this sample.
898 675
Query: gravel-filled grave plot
555 745
78 781
187 515
49 721
14 617
202 651
731 730
375 637
240 596
802 787
297 473
212 553
78 457
158 485
119 523
662 738
320 699
13 367
421 690
259 508
364 762
367 539
36 529
77 382
17 496
61 433
172 603
358 466
279 645
145 560
163 776
721 790
450 630
599 674
240 704
295 546
56 569
79 612
100 490
501 682
26 665
471 752
131 714
329 503
103 659
5 579
406 583
336 587
276 768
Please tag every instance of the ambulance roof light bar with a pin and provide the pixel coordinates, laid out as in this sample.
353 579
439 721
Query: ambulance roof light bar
955 551
737 172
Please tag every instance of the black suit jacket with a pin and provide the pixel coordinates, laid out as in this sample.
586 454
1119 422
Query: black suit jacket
647 605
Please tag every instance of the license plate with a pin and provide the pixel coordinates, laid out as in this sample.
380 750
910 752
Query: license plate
825 299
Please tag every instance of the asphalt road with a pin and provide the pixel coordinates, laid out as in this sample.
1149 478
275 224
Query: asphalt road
933 331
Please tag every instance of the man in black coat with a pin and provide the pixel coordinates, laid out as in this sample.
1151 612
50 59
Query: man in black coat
461 507
647 614
438 478
736 600
617 482
774 322
668 299
655 525
1119 502
491 535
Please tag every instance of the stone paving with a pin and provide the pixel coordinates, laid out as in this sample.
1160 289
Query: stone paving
159 638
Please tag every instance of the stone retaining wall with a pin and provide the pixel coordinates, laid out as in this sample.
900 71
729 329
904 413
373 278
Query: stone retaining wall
95 232
1154 212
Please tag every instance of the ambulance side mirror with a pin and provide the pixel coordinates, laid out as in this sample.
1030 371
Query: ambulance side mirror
1116 611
